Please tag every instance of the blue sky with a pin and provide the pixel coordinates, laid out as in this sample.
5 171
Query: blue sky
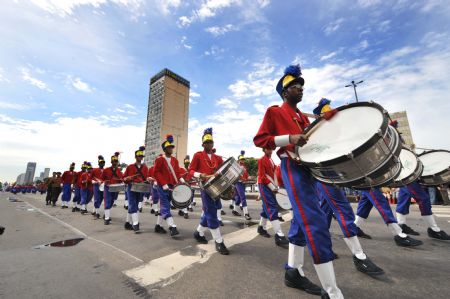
74 74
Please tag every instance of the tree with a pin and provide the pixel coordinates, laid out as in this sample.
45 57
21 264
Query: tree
252 166
123 165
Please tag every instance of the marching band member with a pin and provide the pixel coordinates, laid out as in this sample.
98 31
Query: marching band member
67 180
240 198
134 173
96 181
56 188
268 186
111 175
184 212
167 174
282 127
77 188
204 165
48 197
374 197
86 188
423 200
186 162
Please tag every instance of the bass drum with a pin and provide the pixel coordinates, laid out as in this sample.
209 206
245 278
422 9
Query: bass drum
229 193
283 199
436 168
182 196
227 175
412 169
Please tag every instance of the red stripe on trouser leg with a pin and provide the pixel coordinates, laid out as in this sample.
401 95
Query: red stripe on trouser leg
380 209
341 215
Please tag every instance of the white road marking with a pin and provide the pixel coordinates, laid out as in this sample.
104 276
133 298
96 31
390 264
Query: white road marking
442 215
162 270
79 232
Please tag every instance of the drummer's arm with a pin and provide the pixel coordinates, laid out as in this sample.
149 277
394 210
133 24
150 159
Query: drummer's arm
194 168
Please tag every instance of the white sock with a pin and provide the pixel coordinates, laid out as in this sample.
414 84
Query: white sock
355 247
432 222
328 280
219 216
159 220
128 217
216 235
245 210
94 210
107 214
235 208
185 210
396 230
140 205
135 218
295 257
201 230
156 207
359 220
83 207
170 222
263 222
401 219
277 227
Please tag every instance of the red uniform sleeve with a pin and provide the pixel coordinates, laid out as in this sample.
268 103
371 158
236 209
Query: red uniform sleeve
262 171
158 171
195 165
265 137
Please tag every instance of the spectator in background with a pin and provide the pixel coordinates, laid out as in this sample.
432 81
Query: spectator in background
432 193
444 194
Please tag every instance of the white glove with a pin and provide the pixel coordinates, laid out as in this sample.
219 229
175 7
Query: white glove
165 187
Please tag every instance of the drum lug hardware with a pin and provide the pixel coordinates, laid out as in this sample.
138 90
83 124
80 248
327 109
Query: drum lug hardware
350 156
380 133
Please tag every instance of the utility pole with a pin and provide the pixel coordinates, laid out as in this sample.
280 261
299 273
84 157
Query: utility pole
354 84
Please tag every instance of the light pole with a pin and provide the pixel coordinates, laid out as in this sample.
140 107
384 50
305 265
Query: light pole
176 147
354 84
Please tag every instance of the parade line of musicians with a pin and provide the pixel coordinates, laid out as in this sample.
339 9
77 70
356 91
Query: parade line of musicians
314 204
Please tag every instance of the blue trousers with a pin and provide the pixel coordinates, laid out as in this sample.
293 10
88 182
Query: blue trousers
86 196
66 192
420 195
109 197
210 207
155 195
133 200
240 194
374 197
269 203
334 201
77 195
164 202
98 196
309 224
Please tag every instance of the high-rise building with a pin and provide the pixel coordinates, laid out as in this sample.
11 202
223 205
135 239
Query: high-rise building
46 172
168 113
20 179
29 173
41 176
403 128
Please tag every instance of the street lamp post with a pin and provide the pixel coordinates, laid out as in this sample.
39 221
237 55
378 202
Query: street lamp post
354 84
176 147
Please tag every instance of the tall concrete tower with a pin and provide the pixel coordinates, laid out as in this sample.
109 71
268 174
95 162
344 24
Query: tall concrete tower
168 113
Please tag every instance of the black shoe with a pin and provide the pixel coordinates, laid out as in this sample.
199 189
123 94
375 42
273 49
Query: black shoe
2 229
84 212
324 295
74 209
220 223
97 216
136 228
173 231
263 232
194 204
190 209
63 207
408 230
200 239
172 208
362 234
367 266
152 211
236 213
186 216
441 235
128 226
293 279
241 208
157 213
180 213
77 209
222 212
107 221
47 203
247 217
114 205
93 213
140 210
231 207
125 207
53 204
281 241
407 242
335 255
222 249
280 218
159 229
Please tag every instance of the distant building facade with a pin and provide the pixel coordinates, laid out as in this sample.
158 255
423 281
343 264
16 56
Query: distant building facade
168 113
29 173
46 172
403 127
20 179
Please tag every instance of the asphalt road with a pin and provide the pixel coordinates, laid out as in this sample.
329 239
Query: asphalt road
113 263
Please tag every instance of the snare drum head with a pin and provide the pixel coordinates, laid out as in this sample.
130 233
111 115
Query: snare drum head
435 162
181 193
409 164
101 187
283 199
349 129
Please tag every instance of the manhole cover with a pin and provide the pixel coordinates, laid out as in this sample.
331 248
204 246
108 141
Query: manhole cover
63 243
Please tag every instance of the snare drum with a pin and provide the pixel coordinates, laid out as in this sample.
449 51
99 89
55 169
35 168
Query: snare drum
140 187
182 196
283 199
436 168
116 187
412 168
101 187
356 147
228 174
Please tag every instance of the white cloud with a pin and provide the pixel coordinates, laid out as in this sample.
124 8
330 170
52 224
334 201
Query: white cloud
12 106
215 51
166 6
26 76
328 56
368 3
78 84
217 31
333 26
384 26
2 76
226 103
184 43
192 96
184 21
363 45
57 114
396 54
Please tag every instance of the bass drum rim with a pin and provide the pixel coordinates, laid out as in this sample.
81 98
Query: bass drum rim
438 174
412 177
279 206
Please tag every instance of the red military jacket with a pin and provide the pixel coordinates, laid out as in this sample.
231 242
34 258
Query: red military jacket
244 176
68 177
280 122
266 170
162 172
112 176
77 178
97 174
201 163
86 181
279 177
132 174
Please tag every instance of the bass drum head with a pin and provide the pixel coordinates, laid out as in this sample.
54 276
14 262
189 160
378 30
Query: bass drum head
182 196
435 162
283 199
409 164
350 128
228 194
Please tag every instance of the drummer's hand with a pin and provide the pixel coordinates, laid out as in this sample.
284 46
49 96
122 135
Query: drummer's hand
149 179
258 198
298 139
165 187
275 191
203 176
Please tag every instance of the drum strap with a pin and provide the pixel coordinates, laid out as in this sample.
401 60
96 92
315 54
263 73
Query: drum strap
169 164
139 171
